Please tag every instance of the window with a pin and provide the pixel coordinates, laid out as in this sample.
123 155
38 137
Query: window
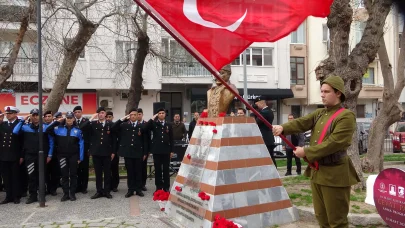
368 77
298 36
175 52
361 111
359 27
82 54
125 51
297 65
256 56
325 33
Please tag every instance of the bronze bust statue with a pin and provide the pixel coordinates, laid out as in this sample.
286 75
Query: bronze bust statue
219 97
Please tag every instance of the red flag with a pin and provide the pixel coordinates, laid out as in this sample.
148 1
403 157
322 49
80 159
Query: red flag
221 29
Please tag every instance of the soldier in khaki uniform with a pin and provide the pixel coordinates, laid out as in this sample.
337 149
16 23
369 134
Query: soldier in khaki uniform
331 183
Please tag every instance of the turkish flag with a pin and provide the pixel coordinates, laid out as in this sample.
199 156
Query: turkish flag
222 29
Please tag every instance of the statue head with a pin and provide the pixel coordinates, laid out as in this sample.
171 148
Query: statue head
225 73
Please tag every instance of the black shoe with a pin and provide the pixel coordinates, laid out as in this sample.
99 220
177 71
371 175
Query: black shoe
65 197
84 191
167 190
129 194
140 193
16 201
31 200
288 174
53 193
6 201
144 189
24 194
72 197
115 190
108 195
96 196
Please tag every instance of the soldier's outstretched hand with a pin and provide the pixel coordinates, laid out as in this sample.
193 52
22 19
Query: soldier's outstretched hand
277 130
94 116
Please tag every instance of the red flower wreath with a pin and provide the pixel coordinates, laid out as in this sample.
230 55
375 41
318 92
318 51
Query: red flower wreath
212 124
220 222
161 195
204 115
205 122
203 196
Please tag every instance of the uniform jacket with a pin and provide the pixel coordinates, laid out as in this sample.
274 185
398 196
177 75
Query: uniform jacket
133 140
179 131
11 146
102 139
338 138
147 131
86 135
267 133
162 142
31 138
69 141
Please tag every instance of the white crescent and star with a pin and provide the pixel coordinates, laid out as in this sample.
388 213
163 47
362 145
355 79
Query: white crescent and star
191 12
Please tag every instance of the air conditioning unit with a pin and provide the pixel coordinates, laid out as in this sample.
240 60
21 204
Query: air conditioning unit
106 102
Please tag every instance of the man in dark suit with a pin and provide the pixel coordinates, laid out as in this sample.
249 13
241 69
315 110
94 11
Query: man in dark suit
267 133
83 168
102 151
145 161
161 148
192 125
132 147
11 156
115 163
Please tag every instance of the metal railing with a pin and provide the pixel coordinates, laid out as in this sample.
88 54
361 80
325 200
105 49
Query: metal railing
23 66
184 69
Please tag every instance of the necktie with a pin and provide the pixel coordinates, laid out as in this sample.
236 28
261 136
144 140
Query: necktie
78 121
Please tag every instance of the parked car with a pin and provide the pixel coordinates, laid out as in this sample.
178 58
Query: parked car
363 129
278 150
398 137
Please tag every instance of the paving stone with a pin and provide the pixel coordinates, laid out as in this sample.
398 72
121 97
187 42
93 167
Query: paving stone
79 225
113 225
65 226
49 226
98 224
116 221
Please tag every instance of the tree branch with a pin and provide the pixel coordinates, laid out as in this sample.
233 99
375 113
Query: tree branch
386 69
88 5
82 19
106 16
54 12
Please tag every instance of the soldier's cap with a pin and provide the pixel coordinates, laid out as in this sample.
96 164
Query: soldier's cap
100 109
70 114
260 98
337 83
227 68
133 110
161 110
47 113
139 110
77 108
11 109
34 111
57 114
109 113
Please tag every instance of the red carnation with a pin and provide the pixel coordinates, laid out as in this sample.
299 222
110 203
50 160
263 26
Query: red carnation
213 124
200 122
215 131
178 188
204 115
188 156
222 114
205 122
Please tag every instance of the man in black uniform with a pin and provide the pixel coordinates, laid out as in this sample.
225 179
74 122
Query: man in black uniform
83 170
52 172
267 133
11 156
70 150
145 161
31 149
115 173
162 148
102 145
132 147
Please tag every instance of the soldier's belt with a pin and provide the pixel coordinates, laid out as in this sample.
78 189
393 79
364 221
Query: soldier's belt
333 158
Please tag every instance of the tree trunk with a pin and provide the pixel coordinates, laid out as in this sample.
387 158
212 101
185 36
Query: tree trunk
7 70
391 111
135 90
71 55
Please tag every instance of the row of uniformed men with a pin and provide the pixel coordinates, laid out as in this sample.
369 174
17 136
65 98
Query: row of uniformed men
68 143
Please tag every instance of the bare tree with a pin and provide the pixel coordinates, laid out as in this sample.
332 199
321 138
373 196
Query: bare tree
27 15
74 46
391 111
351 65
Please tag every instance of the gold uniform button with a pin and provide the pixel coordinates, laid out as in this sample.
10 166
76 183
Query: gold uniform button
318 131
101 142
326 114
315 141
132 135
132 144
101 138
9 142
162 141
321 122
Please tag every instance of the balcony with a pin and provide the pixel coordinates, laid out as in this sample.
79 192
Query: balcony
23 66
184 69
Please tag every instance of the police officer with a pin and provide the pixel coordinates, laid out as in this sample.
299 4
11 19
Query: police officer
161 148
102 145
145 161
331 183
70 152
52 171
83 170
29 129
115 174
132 147
11 156
267 135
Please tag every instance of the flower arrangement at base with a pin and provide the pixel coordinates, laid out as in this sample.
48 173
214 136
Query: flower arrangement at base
220 222
203 196
204 115
178 188
161 197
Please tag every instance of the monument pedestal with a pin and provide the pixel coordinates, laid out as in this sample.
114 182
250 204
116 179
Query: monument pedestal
227 160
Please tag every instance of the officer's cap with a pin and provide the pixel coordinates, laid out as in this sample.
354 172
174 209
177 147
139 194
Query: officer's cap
161 110
133 110
139 110
337 83
58 114
109 113
260 98
77 108
227 68
11 109
69 114
47 113
34 111
100 109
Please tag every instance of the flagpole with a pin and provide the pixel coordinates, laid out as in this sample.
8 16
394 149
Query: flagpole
41 156
156 16
245 91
